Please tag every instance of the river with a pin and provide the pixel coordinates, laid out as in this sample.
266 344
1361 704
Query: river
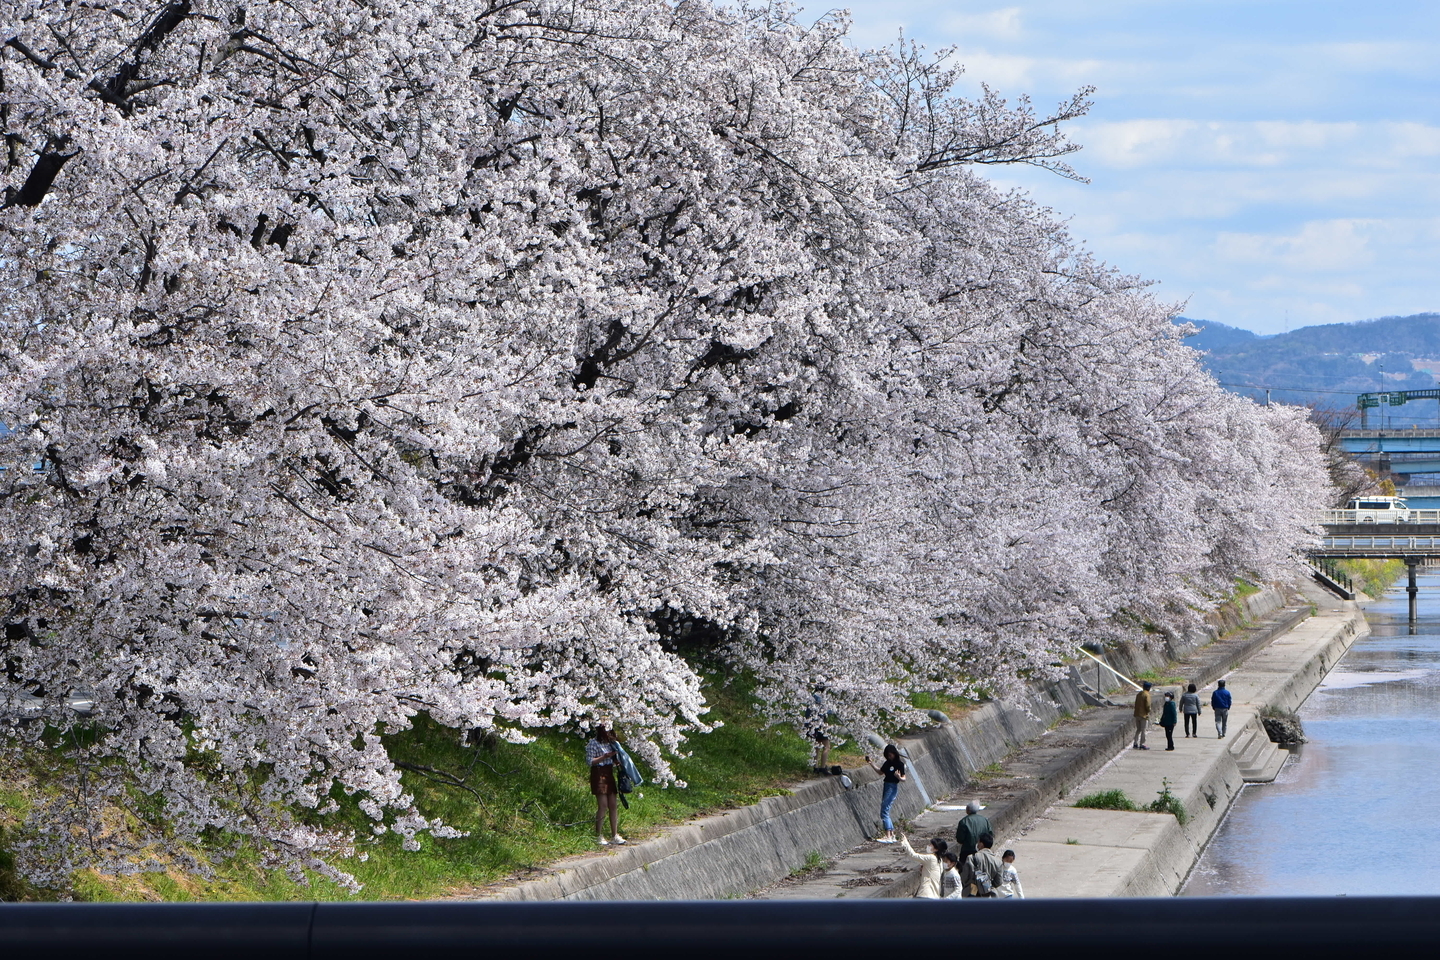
1353 811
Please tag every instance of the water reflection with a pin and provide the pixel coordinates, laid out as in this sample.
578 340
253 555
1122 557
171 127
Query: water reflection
1352 813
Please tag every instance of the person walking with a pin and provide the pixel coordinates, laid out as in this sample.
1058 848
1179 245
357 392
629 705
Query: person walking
1190 710
931 866
1142 714
893 770
983 872
601 753
1220 706
970 829
1168 718
1009 880
950 885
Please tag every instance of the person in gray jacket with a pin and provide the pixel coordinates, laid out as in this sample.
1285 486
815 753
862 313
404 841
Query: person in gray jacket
983 872
1190 710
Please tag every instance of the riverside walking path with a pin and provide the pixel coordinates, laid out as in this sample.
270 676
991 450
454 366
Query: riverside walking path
1072 852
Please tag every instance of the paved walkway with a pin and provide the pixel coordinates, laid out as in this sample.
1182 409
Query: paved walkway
1071 852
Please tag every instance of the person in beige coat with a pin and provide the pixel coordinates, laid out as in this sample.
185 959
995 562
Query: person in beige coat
930 866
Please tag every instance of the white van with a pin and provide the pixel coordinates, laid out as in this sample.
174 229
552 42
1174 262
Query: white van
1379 510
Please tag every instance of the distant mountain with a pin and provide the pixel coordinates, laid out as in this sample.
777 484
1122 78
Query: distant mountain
1218 338
1328 365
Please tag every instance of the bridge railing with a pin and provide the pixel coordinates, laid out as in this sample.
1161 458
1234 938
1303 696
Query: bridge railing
1330 568
1354 516
1399 545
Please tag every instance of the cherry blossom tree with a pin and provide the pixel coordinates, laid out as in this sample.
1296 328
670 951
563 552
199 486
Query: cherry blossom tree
463 357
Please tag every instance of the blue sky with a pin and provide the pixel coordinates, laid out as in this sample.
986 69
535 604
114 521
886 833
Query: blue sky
1269 163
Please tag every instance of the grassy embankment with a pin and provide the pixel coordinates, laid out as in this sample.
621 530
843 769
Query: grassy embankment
524 805
1373 577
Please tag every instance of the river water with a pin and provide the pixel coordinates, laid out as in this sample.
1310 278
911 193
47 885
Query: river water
1353 811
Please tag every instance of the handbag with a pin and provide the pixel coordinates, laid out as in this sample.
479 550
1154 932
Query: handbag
627 775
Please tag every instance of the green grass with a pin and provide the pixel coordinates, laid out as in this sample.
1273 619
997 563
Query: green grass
1167 802
1374 577
815 862
1107 800
1243 589
952 707
523 805
1161 680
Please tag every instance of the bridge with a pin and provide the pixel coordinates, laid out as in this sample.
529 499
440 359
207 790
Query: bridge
1413 542
1397 451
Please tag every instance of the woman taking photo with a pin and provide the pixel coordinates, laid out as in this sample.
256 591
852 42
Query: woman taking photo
932 867
893 770
601 754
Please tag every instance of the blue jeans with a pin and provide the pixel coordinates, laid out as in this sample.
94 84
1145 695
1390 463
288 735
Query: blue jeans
887 800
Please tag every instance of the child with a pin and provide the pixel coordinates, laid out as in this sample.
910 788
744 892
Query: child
949 876
1010 880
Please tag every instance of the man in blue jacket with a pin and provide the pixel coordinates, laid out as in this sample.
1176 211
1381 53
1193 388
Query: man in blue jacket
1220 704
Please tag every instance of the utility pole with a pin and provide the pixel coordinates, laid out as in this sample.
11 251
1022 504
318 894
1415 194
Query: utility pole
1267 396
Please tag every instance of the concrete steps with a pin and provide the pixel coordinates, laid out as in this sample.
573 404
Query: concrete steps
1259 760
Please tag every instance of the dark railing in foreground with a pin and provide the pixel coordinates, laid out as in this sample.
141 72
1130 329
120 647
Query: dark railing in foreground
735 930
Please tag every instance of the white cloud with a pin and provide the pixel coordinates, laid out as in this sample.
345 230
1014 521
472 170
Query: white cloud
1257 159
1128 144
1003 24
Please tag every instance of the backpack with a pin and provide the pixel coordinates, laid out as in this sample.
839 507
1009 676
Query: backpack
983 886
981 880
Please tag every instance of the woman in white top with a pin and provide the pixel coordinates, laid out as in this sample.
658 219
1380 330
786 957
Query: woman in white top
930 867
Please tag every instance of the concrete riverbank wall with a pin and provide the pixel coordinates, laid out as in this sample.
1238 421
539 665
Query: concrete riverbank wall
732 853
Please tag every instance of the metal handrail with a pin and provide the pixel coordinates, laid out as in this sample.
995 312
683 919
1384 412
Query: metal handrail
1108 667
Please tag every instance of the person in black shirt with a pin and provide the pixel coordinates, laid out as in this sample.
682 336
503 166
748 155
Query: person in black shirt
893 770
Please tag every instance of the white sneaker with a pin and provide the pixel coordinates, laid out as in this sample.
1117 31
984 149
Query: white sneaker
602 841
617 839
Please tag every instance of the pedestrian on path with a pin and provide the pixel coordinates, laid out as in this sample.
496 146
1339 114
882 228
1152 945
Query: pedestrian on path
1142 714
931 866
601 752
1009 880
950 886
983 872
1220 706
893 770
1190 709
970 829
1168 718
